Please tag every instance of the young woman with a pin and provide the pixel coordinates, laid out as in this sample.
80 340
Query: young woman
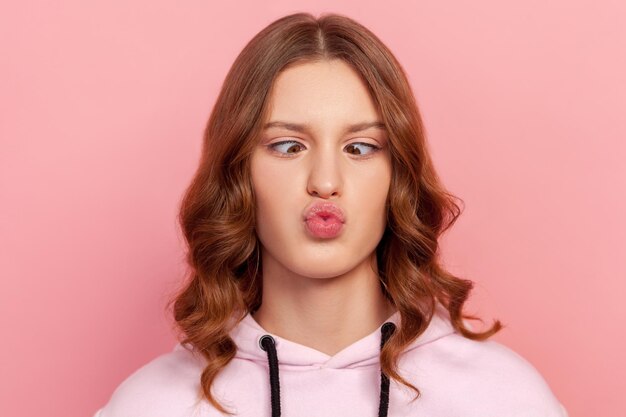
313 223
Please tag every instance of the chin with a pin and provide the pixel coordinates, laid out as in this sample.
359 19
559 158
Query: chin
320 270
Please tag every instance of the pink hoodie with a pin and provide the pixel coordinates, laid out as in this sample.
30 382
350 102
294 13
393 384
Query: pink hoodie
455 375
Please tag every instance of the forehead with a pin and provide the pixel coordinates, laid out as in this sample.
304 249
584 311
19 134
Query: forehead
322 94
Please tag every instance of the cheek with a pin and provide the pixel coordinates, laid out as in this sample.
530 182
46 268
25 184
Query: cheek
372 197
375 182
271 184
263 178
272 189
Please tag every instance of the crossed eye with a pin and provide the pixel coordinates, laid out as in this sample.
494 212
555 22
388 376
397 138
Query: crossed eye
294 144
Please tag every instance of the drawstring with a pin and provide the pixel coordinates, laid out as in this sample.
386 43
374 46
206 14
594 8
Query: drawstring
383 406
268 344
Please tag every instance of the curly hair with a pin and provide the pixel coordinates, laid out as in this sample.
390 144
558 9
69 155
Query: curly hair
217 211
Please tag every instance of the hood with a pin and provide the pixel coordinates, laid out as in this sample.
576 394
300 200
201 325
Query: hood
363 352
258 345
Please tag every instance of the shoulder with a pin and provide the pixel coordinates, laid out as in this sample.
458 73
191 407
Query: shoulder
486 376
166 386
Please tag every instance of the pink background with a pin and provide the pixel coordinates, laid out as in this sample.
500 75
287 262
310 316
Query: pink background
102 109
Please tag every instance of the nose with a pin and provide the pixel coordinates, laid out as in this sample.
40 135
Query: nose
325 175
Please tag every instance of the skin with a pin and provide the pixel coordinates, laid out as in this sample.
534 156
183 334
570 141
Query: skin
321 293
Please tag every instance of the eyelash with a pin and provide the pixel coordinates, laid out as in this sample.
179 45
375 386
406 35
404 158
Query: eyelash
374 148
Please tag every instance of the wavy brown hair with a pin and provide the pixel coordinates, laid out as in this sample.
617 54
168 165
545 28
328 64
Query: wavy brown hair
217 213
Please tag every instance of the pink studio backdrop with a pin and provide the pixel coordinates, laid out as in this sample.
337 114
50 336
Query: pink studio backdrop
102 109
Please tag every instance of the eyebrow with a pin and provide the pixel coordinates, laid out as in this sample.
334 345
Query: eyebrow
304 128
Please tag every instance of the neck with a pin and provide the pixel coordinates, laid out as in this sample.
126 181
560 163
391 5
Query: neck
326 314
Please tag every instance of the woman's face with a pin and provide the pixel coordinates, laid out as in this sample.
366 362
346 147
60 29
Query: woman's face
324 160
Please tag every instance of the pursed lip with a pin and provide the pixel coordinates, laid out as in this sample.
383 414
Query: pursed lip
324 209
